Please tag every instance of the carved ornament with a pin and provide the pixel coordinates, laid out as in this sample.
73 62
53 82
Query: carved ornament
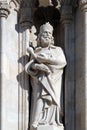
16 4
4 10
66 16
25 17
46 3
83 5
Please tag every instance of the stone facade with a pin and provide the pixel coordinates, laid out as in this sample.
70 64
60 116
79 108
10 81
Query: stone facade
16 30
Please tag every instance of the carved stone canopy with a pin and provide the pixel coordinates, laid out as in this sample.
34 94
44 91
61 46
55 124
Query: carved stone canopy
46 3
39 3
83 5
36 3
42 10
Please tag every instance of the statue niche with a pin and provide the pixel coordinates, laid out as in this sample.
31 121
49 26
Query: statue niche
45 69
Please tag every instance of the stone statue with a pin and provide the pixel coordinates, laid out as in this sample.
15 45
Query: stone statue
45 69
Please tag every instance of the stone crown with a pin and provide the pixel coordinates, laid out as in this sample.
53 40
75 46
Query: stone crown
45 27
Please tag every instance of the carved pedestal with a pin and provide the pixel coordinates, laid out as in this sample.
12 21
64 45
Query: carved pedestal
49 127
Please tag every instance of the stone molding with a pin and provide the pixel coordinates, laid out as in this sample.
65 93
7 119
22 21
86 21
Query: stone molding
55 3
16 5
83 5
24 8
4 10
25 17
66 15
22 4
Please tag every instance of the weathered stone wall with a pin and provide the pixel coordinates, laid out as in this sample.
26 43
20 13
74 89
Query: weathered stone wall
14 83
81 68
10 109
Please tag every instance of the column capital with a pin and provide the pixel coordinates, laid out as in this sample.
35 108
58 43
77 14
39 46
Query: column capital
25 17
83 5
66 15
4 10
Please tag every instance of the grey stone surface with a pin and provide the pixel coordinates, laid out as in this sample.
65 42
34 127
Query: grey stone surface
81 67
14 104
69 46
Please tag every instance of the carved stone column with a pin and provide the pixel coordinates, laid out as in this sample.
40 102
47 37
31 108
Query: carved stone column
81 74
69 99
4 11
25 22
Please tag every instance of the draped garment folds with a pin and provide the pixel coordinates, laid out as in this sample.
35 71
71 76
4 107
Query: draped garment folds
46 88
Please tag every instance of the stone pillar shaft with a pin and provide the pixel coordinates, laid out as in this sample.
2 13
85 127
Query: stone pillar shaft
69 71
86 70
81 86
24 92
24 38
3 68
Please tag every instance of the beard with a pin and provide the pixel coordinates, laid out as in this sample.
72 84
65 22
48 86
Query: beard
45 41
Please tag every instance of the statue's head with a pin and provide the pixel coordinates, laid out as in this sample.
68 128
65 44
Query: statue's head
46 27
45 37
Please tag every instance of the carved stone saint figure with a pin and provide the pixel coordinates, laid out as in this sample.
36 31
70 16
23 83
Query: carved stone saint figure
45 69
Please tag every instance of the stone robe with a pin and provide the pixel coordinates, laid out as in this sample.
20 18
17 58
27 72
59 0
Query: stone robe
46 88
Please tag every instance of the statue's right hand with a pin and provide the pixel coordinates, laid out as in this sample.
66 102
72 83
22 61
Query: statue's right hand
31 51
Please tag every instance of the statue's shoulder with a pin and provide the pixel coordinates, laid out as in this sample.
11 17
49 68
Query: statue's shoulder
59 49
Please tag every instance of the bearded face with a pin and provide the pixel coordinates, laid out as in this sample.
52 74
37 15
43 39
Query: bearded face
46 38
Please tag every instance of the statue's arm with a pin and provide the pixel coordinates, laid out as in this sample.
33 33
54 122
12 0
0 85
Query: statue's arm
57 59
31 51
60 58
49 60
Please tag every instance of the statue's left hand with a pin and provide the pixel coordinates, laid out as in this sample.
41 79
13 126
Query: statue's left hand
41 58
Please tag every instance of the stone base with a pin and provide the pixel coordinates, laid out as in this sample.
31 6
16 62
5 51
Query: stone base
49 127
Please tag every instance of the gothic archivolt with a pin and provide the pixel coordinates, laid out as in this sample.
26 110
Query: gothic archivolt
35 3
30 3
